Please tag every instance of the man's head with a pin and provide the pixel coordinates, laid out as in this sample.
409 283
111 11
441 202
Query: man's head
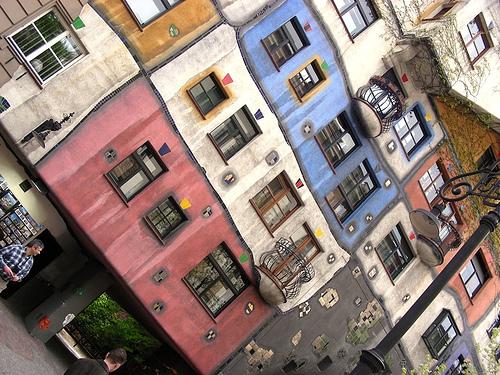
115 358
34 247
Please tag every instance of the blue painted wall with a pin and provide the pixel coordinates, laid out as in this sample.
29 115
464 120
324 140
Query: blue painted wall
330 98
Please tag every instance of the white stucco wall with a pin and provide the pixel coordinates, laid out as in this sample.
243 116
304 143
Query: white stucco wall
252 172
238 12
106 65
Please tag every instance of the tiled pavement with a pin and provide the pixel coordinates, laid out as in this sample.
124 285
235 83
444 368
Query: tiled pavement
321 336
22 354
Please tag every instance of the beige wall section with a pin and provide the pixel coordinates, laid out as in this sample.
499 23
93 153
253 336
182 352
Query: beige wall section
153 44
106 66
238 12
44 214
13 13
252 172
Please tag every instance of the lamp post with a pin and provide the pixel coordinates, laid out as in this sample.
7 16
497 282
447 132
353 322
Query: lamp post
488 188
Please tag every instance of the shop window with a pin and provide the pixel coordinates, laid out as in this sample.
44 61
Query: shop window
217 280
137 171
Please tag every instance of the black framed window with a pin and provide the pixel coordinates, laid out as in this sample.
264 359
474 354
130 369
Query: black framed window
217 280
352 191
165 218
46 46
395 252
207 94
307 79
146 11
337 140
439 336
276 202
357 15
476 38
234 133
136 171
474 275
411 130
486 160
285 42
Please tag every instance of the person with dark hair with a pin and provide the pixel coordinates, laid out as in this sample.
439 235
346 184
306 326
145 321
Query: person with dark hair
16 261
85 366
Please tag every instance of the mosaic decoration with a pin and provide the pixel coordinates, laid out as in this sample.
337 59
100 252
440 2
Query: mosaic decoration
324 65
157 307
412 235
329 298
227 80
4 104
78 23
211 335
428 117
164 149
356 272
258 115
320 345
258 358
185 204
272 158
173 31
207 212
296 338
160 276
307 27
304 309
229 178
404 78
358 330
110 155
249 308
307 129
299 184
319 233
373 272
391 147
331 258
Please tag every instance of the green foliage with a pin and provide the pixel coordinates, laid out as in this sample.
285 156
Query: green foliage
111 325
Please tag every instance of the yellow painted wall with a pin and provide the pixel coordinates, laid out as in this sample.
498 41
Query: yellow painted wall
153 44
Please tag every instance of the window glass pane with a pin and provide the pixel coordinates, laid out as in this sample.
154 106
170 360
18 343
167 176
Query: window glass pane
217 296
309 250
273 216
125 169
46 64
354 21
134 184
343 4
299 236
28 39
145 10
202 275
66 50
49 26
293 36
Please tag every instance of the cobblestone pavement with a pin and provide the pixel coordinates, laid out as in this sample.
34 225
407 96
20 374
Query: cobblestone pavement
22 354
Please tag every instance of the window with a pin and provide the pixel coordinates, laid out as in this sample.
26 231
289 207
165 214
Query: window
439 12
486 160
357 15
217 280
46 46
353 191
476 38
234 133
207 94
395 252
337 140
136 171
285 42
276 202
146 11
474 275
431 182
440 334
165 218
495 324
306 245
411 131
307 79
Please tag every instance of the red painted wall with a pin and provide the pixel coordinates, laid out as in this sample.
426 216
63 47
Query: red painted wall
75 173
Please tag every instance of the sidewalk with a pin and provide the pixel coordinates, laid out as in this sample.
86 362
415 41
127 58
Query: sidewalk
22 354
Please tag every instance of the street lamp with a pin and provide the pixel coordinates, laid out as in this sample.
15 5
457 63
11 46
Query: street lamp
488 188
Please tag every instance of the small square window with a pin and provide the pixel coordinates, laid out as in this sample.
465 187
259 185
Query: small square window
234 133
357 15
207 94
285 42
46 46
337 140
395 252
276 202
411 130
476 38
217 280
352 191
146 11
165 218
440 334
307 79
474 275
136 171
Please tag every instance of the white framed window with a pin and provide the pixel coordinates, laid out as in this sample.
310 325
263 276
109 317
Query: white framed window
46 46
